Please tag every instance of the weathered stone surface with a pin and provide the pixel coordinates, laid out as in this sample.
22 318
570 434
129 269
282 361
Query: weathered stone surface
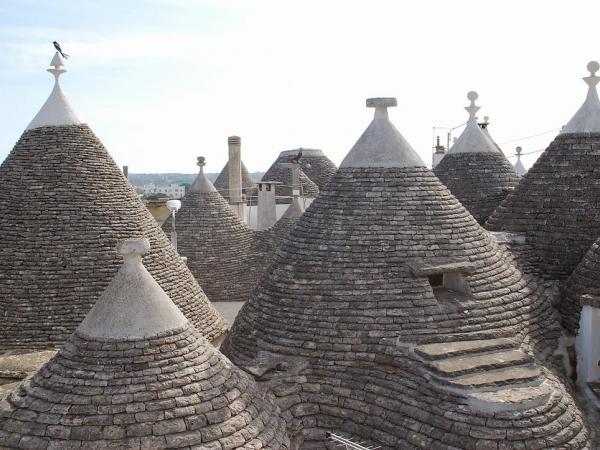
557 204
314 163
283 174
584 281
69 205
224 255
480 181
136 373
248 184
341 295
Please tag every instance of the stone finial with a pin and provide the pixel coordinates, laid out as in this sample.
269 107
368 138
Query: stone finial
57 62
518 150
592 80
133 249
201 162
381 104
472 108
486 120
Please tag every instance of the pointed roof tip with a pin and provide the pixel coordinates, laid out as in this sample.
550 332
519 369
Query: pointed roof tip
295 210
57 110
519 167
473 139
587 117
381 144
202 184
133 306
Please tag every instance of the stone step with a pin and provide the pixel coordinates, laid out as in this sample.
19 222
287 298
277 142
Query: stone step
519 375
448 349
510 399
465 365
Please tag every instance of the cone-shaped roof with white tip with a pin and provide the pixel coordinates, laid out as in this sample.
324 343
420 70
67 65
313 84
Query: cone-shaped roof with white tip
69 205
587 118
57 110
475 170
485 128
133 305
519 167
381 144
313 162
348 303
137 374
557 203
222 252
472 139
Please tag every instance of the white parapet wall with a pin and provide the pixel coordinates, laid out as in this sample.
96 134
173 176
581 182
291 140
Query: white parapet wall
588 345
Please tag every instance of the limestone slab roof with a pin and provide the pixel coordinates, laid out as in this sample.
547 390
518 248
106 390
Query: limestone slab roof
226 257
69 205
314 163
157 384
585 280
281 173
475 170
587 118
222 181
341 296
557 202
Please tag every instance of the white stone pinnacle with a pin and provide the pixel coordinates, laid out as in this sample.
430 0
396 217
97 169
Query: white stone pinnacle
381 144
133 306
202 183
473 139
57 110
472 108
587 118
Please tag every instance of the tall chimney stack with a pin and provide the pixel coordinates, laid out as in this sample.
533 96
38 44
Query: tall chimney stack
266 213
126 171
235 175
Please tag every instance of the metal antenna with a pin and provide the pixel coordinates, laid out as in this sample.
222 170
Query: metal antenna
347 443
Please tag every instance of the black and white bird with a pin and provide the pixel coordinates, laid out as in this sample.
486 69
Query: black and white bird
59 50
296 159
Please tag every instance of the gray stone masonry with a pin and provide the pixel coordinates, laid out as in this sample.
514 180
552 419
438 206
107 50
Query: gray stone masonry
341 296
584 281
480 181
226 257
557 204
66 204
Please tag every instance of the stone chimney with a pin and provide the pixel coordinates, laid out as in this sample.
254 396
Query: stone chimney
438 153
235 175
126 171
266 211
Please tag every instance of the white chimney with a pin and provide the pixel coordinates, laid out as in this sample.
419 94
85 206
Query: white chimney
266 207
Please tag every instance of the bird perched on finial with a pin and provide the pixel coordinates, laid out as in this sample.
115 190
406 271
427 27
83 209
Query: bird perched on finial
296 159
59 50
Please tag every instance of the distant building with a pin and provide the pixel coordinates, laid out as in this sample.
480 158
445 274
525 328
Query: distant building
173 190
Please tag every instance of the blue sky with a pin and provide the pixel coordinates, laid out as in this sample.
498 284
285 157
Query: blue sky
163 81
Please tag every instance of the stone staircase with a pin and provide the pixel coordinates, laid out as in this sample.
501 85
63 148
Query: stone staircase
493 374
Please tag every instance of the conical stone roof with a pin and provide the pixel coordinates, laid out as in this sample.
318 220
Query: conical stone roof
224 254
557 203
519 167
137 374
475 170
283 174
222 182
67 204
585 280
315 164
349 294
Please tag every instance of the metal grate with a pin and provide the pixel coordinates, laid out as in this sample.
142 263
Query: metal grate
348 443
